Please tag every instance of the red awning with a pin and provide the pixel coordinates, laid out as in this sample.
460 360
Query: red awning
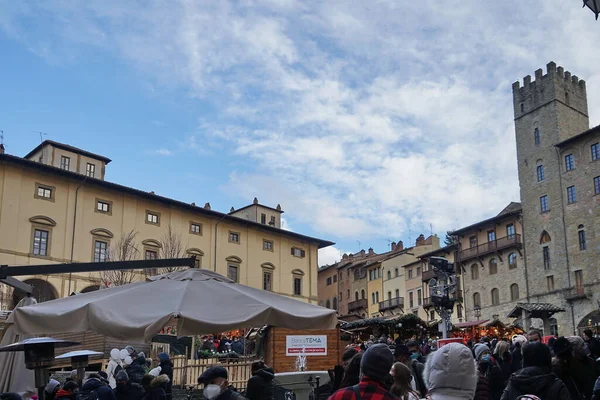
470 323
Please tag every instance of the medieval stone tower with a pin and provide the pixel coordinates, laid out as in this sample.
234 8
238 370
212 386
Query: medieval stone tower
558 162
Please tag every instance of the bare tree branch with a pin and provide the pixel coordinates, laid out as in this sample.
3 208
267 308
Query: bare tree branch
6 297
123 250
171 246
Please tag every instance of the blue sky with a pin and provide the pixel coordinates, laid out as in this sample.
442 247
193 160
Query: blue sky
368 121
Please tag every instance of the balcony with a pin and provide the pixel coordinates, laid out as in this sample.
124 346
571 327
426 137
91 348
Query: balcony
357 305
578 292
427 275
490 247
457 296
396 302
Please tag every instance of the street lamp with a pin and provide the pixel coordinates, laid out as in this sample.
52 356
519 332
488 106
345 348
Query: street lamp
79 360
477 311
39 356
442 290
593 5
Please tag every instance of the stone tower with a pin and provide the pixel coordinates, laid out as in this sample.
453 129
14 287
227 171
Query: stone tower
549 113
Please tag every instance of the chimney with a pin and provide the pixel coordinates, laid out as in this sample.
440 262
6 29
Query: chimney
362 253
421 240
344 256
255 201
232 210
393 246
400 246
371 252
278 208
1 148
207 206
194 204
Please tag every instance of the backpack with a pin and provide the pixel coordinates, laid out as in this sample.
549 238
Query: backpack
87 395
117 369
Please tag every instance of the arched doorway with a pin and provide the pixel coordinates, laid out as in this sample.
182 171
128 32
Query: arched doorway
590 321
42 291
92 288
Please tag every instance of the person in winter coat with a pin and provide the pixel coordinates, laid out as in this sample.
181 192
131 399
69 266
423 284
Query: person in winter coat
260 385
401 386
592 343
536 377
237 346
352 372
503 359
450 373
166 368
490 383
216 385
136 370
155 387
95 384
126 390
402 354
68 392
51 389
574 368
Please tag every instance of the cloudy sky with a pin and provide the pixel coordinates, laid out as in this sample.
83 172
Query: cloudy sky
369 121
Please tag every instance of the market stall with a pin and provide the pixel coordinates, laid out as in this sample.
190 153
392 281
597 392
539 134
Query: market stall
406 327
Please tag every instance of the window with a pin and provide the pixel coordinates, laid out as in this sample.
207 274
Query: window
546 254
389 274
44 192
476 300
389 295
567 101
512 261
514 292
597 185
545 238
268 246
432 315
418 271
522 107
459 311
296 252
579 281
373 297
495 294
419 297
65 163
510 231
491 236
272 222
370 274
582 244
263 219
40 242
100 250
348 296
536 132
544 204
152 218
569 162
232 272
550 282
328 281
195 228
397 273
596 151
362 294
376 297
328 304
410 273
298 286
411 300
267 281
335 303
151 255
397 293
335 279
103 206
355 296
493 266
540 173
197 261
474 272
571 195
234 237
473 241
90 170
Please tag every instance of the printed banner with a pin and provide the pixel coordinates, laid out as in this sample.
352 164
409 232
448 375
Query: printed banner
316 345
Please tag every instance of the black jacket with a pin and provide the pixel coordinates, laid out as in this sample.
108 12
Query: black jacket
594 346
130 391
536 381
167 369
495 379
261 386
416 369
136 370
104 392
230 394
156 391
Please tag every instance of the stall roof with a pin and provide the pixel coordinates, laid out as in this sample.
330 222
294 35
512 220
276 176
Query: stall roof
537 310
470 323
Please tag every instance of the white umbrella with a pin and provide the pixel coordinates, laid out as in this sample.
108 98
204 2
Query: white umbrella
202 301
14 377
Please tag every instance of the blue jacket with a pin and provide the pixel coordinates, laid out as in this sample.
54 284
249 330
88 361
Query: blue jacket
104 392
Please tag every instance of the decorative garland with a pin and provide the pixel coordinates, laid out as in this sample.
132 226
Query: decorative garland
214 354
408 321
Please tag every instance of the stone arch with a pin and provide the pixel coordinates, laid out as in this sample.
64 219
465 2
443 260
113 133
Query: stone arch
42 291
91 288
268 265
545 237
152 243
102 232
298 272
589 321
42 220
234 259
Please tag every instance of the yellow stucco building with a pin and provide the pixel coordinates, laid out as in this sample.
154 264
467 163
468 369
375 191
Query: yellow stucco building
56 207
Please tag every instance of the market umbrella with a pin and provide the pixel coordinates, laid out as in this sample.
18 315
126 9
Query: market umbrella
202 301
14 377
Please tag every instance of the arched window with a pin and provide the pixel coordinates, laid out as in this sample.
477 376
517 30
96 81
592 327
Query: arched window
389 295
362 294
493 266
396 273
514 292
581 235
373 298
476 300
328 304
545 238
356 296
389 274
536 136
335 303
512 260
474 272
495 297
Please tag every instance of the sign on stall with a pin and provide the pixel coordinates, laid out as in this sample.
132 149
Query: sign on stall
311 345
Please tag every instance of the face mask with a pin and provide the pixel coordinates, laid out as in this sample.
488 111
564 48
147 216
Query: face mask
212 391
414 356
486 358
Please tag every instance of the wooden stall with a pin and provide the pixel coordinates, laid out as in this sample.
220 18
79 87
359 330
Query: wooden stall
277 353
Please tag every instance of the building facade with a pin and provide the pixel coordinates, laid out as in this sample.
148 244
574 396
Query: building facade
491 258
56 207
559 175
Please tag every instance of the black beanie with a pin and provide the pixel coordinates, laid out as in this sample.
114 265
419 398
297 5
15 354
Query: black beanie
348 354
377 362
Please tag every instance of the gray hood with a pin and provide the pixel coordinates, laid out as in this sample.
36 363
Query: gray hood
450 373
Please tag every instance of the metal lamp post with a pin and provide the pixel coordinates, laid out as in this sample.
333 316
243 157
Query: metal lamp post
593 5
441 289
79 360
39 356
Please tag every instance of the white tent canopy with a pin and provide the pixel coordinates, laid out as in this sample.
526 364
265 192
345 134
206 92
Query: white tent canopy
201 300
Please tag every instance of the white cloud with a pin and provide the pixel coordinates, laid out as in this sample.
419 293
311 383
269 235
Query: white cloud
163 152
367 119
329 255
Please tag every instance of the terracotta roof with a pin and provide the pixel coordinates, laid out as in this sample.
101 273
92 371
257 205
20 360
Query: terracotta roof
441 250
512 209
257 204
534 308
578 136
470 323
68 148
7 158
